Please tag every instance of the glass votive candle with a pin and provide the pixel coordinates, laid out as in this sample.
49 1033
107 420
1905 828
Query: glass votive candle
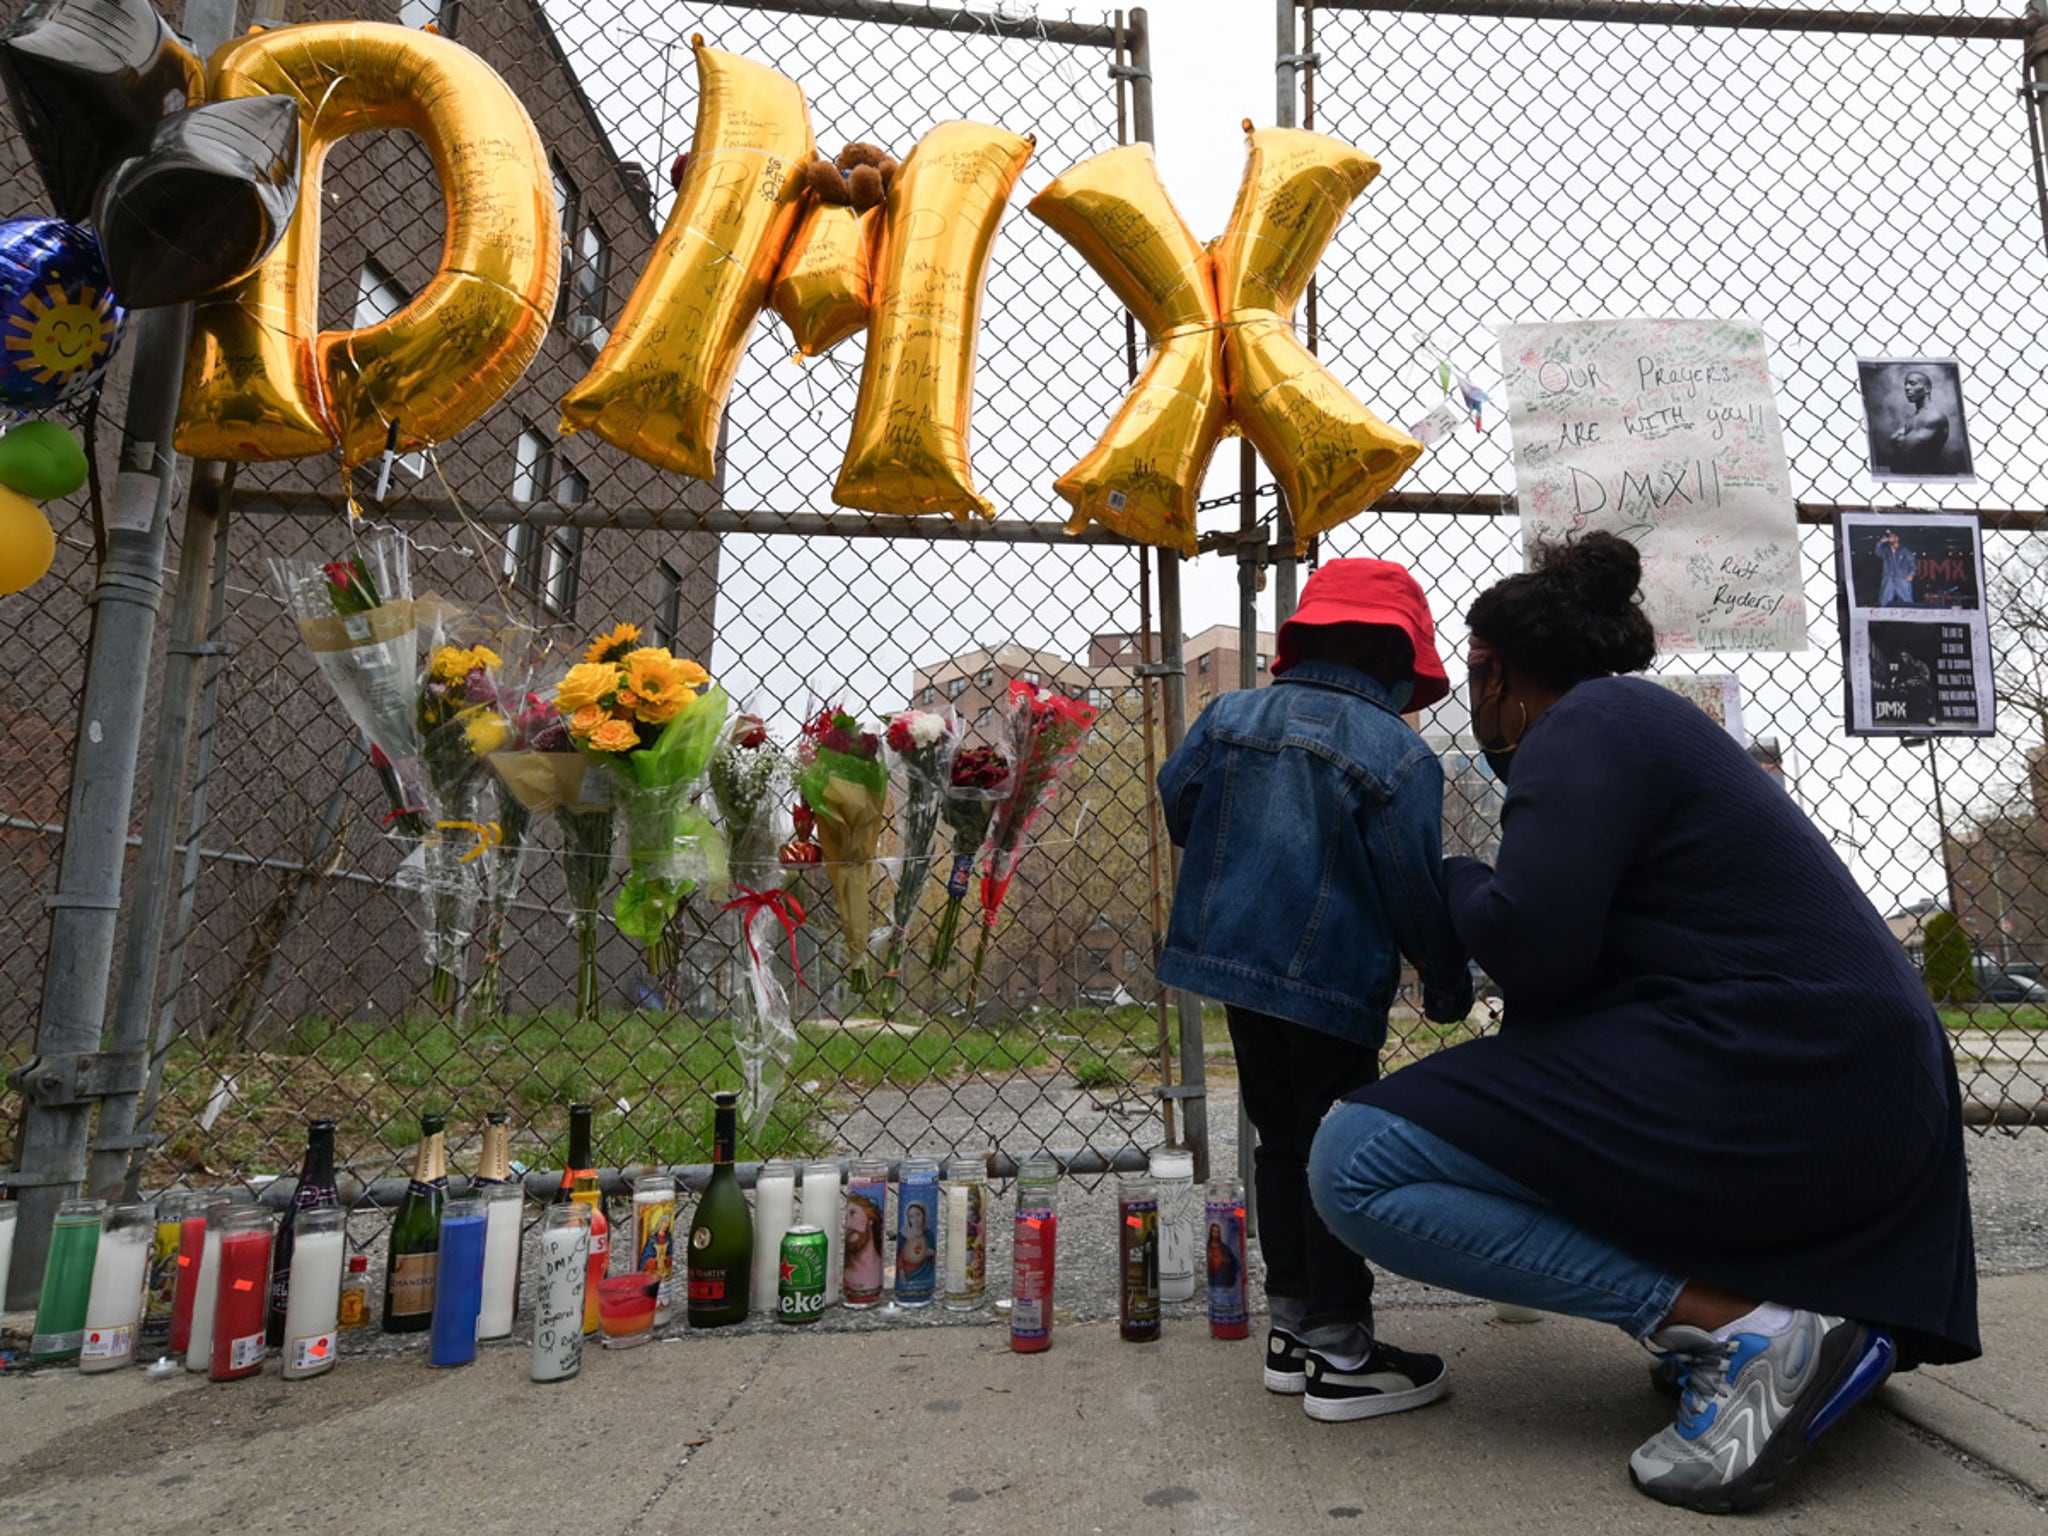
625 1309
458 1283
113 1310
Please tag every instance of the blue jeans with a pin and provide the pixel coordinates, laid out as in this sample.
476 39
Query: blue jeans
1413 1203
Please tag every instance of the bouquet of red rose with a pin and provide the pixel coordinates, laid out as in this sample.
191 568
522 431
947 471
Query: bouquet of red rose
846 786
1047 732
356 614
980 782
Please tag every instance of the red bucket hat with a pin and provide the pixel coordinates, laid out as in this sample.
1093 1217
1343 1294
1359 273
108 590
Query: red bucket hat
1371 592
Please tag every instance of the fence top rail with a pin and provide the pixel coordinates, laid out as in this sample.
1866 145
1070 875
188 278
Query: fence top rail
681 519
948 18
1751 18
1489 504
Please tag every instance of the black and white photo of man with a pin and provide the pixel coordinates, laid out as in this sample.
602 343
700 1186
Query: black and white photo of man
1913 410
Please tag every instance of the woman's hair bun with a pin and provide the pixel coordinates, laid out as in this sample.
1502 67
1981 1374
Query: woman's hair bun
1601 571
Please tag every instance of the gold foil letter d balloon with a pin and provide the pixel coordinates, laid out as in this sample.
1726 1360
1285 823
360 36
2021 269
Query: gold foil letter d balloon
658 389
909 449
258 383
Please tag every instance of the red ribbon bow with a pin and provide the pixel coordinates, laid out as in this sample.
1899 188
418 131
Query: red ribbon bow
787 910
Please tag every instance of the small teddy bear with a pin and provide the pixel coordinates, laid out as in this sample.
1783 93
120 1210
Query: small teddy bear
858 179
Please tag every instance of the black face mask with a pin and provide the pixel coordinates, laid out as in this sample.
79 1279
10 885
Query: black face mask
1499 757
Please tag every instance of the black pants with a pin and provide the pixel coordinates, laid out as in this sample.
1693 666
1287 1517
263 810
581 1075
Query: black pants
1288 1076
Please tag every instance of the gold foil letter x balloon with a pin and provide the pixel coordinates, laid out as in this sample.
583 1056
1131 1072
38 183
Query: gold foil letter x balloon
1224 346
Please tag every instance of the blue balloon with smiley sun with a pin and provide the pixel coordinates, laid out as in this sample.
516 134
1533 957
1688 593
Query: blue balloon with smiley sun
59 320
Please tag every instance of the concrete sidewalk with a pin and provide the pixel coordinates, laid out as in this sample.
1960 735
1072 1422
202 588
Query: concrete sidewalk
941 1429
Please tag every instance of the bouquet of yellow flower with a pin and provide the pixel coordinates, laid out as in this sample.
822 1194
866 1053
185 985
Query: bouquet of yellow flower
640 711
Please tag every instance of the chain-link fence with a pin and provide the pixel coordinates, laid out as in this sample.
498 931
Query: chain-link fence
294 982
1862 184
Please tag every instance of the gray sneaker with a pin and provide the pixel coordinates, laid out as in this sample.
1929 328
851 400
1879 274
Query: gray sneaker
1746 1407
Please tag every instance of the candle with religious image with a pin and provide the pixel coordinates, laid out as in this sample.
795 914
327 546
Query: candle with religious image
867 1198
917 1232
965 1237
654 1228
1173 1176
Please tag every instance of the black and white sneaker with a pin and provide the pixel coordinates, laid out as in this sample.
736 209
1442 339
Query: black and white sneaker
1286 1363
1387 1380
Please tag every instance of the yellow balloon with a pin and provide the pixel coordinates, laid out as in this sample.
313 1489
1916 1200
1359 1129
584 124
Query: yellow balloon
659 387
258 383
27 542
1296 187
1142 476
908 452
823 285
1332 456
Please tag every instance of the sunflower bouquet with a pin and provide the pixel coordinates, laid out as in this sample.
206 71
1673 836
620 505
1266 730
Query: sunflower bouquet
654 719
845 785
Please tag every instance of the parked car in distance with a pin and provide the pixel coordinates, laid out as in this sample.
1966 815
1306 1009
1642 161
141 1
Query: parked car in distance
2010 989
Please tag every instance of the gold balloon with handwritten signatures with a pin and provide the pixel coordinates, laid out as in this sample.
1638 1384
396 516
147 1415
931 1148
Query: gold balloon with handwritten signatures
825 282
1228 357
1142 476
259 383
908 451
659 387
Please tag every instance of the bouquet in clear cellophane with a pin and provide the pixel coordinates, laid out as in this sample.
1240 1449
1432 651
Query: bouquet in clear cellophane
642 716
460 713
1047 732
979 782
540 768
355 612
748 775
845 785
921 745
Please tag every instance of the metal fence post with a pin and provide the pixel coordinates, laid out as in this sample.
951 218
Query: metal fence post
128 1027
2034 86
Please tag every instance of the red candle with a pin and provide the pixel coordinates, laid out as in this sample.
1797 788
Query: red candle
191 1242
238 1318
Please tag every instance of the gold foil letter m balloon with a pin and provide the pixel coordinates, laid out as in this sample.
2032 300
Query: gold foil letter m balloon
658 389
909 448
258 383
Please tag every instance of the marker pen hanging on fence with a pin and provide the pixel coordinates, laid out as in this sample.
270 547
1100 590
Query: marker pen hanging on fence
384 464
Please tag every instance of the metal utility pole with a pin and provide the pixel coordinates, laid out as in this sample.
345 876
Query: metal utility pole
69 1073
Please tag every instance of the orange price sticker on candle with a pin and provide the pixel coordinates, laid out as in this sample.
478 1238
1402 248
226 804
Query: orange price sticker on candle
184 1261
245 1285
1034 1222
1134 1221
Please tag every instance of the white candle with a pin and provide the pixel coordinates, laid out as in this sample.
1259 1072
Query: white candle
558 1293
199 1352
501 1260
1173 1174
6 1248
312 1312
774 1215
956 1212
113 1308
822 1208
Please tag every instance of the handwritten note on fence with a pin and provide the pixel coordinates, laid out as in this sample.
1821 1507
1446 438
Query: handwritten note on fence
1665 432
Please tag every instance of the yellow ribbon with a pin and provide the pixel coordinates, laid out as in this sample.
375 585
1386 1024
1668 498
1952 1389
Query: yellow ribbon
488 835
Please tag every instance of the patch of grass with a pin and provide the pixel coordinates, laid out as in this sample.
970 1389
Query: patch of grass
1994 1016
1091 1069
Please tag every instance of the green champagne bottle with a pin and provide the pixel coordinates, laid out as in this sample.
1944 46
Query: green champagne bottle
722 1232
416 1236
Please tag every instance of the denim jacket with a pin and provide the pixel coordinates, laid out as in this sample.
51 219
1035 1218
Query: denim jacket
1310 818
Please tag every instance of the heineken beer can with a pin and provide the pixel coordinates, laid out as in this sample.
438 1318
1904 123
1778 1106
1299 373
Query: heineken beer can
800 1295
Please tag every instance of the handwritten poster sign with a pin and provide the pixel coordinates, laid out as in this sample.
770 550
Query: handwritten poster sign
1665 432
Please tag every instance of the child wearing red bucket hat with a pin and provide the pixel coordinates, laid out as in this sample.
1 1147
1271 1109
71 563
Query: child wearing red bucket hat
1309 817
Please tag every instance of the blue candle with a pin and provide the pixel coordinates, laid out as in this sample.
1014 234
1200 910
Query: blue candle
459 1283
